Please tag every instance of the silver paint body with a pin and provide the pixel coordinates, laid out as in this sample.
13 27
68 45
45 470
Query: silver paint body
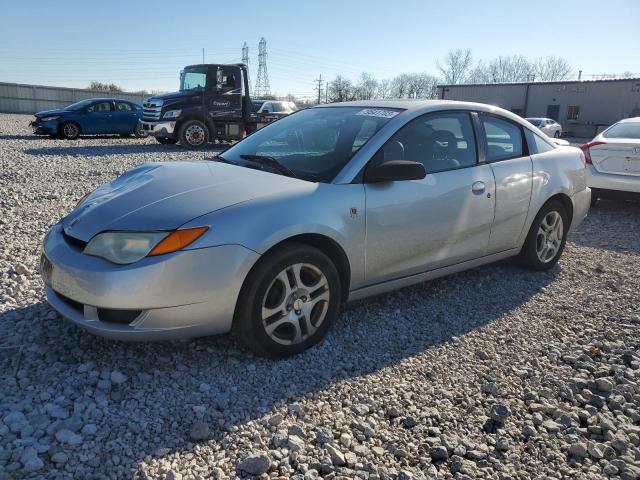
393 234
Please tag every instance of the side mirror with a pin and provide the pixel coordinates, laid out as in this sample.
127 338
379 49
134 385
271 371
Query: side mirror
394 171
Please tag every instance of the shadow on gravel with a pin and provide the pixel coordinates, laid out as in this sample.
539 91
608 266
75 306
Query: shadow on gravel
153 408
116 149
25 137
597 232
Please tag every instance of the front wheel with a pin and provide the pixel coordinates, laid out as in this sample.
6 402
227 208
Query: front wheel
288 302
70 130
546 238
557 134
194 134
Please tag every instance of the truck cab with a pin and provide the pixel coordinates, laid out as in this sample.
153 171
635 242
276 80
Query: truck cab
213 103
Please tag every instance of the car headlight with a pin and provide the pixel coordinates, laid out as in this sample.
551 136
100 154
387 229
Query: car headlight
172 114
129 247
48 119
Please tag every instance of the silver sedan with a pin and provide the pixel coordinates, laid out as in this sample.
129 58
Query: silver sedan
327 205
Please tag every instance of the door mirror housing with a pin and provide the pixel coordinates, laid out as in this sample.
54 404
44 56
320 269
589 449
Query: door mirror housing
395 171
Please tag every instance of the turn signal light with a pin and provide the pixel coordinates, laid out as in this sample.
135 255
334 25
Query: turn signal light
177 240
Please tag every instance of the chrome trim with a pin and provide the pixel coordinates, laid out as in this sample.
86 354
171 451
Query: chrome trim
152 108
158 129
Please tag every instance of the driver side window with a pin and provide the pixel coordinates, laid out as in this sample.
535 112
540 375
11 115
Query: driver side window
440 141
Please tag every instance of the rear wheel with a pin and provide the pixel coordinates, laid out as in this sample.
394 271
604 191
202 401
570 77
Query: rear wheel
288 302
546 238
70 130
194 134
166 141
140 132
557 134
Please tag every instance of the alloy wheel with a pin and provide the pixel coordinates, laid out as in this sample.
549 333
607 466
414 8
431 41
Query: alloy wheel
70 130
549 237
295 304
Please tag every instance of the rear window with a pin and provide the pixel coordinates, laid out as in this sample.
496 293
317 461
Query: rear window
623 130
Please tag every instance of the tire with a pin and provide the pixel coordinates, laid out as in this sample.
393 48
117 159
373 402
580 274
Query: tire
140 132
542 248
302 310
194 134
557 134
70 130
125 135
166 140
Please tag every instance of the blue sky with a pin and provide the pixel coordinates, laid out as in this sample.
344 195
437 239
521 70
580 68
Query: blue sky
143 45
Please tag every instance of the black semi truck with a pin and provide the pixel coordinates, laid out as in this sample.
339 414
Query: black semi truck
213 103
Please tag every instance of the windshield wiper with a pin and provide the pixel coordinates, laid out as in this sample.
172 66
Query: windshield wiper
220 158
270 162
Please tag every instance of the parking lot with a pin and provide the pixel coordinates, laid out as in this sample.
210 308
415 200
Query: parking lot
497 372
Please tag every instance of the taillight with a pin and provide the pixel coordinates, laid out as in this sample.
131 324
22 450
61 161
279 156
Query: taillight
585 150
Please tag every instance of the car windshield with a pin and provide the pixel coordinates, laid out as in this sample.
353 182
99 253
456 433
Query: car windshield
79 105
314 144
193 79
534 121
623 130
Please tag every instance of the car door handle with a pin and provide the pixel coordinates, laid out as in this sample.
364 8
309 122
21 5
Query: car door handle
478 188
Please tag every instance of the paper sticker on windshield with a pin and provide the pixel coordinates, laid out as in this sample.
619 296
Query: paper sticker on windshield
378 112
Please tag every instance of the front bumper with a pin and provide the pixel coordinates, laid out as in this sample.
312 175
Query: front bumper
44 128
160 128
184 294
612 181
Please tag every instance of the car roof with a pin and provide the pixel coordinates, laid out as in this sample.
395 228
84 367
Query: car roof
630 120
426 106
537 118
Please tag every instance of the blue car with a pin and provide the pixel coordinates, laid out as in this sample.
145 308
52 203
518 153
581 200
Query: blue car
89 117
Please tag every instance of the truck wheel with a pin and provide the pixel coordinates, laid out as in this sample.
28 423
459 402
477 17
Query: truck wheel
288 301
166 141
194 134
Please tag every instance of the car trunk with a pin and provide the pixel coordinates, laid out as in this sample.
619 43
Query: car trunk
620 156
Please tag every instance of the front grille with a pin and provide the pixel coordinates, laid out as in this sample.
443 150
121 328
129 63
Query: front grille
152 109
72 303
117 316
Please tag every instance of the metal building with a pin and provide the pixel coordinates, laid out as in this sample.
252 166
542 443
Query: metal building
583 108
20 98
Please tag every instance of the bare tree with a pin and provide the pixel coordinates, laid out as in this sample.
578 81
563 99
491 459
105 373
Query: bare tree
400 86
367 87
384 89
421 85
341 89
456 65
551 69
104 87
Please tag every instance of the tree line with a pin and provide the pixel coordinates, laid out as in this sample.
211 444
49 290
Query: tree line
456 67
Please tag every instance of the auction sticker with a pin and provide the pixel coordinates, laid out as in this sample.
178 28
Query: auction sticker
378 112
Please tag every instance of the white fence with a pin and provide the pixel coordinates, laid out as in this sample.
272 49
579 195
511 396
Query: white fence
20 98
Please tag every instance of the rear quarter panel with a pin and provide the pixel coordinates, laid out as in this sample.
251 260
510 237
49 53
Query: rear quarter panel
559 171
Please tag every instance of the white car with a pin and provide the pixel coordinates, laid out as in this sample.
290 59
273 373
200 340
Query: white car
613 161
278 108
549 126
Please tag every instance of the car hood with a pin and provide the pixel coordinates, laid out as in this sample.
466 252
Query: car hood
176 95
46 113
164 196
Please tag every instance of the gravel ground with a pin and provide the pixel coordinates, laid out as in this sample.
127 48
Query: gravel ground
497 372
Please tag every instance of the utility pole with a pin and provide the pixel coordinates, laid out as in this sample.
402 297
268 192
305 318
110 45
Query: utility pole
326 92
319 87
202 54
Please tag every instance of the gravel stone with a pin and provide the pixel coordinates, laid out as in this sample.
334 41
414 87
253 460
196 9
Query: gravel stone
400 376
255 464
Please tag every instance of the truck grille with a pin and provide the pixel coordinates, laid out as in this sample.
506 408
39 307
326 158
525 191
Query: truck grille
152 109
